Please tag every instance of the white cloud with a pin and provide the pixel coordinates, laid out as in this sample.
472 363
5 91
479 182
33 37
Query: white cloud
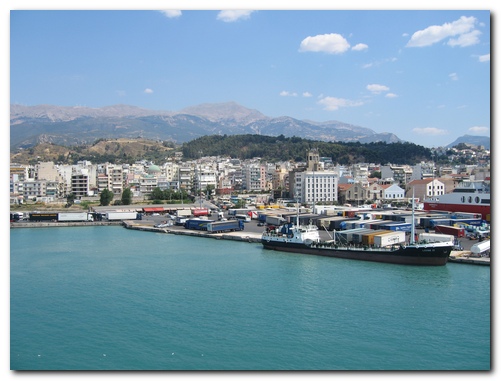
436 33
307 94
466 39
453 76
379 63
328 43
376 89
359 47
391 95
288 94
431 131
232 15
121 93
332 104
479 130
484 58
148 91
171 13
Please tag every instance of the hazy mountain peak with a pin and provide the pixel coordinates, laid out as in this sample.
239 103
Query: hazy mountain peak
226 110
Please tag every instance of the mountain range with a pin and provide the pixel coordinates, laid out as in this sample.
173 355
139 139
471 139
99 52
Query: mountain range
63 125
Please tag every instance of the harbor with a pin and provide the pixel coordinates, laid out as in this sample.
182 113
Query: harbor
251 231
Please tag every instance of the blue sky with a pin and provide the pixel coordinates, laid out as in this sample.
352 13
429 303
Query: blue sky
422 75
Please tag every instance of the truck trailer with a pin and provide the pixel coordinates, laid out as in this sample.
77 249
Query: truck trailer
223 226
196 224
117 216
74 217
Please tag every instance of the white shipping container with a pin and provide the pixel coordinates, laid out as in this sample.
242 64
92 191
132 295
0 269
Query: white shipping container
121 216
183 212
430 237
74 216
391 238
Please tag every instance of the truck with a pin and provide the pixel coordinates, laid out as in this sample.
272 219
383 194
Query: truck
234 212
196 224
183 213
242 217
197 212
43 216
116 216
223 226
180 220
74 217
274 220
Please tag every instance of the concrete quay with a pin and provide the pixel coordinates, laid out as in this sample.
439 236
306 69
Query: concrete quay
53 224
251 237
466 257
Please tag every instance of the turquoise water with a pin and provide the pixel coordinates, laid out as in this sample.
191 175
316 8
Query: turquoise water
99 298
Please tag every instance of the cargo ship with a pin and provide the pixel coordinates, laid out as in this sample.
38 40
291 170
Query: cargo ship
305 239
468 197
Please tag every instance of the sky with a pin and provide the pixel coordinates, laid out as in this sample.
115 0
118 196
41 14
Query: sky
422 75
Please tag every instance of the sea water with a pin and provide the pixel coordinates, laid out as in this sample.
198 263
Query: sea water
108 298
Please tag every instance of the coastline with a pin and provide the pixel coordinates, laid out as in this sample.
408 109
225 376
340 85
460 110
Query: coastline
463 257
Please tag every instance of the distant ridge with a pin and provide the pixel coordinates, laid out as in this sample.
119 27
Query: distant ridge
484 141
30 125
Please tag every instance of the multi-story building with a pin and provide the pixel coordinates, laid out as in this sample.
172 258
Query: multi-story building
80 183
254 177
115 177
425 188
316 187
356 193
401 174
204 177
35 189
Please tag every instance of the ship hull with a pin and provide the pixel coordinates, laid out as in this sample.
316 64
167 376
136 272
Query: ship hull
418 256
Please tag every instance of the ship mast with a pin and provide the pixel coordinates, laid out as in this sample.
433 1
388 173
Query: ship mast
412 240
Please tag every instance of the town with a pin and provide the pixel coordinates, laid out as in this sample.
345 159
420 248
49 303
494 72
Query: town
230 181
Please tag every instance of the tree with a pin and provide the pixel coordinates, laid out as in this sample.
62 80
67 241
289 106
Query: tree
70 199
127 196
157 194
106 197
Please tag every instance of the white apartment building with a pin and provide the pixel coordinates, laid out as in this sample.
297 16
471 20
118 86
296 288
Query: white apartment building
315 187
204 177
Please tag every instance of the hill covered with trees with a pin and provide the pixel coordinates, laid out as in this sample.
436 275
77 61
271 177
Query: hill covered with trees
269 148
281 148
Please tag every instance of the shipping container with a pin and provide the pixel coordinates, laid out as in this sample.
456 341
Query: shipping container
368 239
74 217
452 230
391 238
41 216
274 220
430 237
117 216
